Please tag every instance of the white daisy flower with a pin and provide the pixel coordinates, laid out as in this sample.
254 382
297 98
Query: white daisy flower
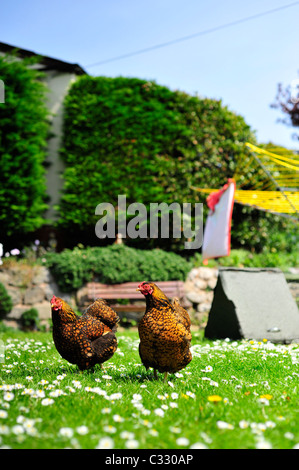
82 430
182 441
66 432
105 443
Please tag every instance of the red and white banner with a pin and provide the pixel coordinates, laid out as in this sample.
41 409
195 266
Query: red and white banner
216 238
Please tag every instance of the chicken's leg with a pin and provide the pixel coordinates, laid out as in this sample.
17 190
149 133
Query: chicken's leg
155 374
165 376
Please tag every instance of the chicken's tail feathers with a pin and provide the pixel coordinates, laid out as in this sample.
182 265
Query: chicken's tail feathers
114 328
101 310
105 346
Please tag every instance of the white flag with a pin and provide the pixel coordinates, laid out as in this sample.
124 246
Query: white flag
216 238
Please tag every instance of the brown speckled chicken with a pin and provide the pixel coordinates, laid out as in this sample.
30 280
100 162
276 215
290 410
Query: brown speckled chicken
84 340
164 332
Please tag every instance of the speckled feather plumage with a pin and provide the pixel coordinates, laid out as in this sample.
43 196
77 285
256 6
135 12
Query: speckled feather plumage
100 310
164 332
86 340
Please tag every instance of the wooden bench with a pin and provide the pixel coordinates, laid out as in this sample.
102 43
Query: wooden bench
128 291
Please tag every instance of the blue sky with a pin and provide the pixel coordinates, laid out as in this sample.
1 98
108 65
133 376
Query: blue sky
241 65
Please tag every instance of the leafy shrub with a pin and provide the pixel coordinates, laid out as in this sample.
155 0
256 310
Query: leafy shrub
114 264
5 301
23 133
29 319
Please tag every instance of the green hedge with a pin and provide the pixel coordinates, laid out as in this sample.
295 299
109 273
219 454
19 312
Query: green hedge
114 264
129 136
23 133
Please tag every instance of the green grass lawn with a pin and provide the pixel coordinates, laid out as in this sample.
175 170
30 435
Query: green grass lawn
237 395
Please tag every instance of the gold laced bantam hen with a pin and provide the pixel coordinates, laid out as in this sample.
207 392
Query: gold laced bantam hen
164 332
84 340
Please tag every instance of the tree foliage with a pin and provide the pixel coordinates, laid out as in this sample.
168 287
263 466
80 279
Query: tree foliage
287 101
133 137
23 134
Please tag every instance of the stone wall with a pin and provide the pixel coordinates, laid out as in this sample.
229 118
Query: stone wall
199 288
30 287
34 286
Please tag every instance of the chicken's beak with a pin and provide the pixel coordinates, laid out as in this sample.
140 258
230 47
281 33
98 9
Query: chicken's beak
138 289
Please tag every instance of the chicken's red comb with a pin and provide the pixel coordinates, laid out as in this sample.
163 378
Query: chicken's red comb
145 288
141 284
55 301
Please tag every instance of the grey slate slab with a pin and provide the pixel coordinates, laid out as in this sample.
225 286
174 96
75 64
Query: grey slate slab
253 303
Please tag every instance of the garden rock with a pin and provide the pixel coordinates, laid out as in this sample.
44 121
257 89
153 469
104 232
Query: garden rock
16 312
44 311
199 287
253 303
33 295
195 297
4 278
15 295
20 275
41 275
203 307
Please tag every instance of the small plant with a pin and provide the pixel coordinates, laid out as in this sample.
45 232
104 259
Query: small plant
29 319
5 301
